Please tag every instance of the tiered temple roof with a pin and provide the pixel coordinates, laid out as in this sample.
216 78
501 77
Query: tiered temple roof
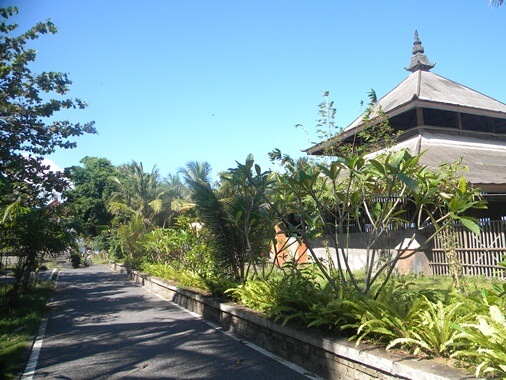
444 118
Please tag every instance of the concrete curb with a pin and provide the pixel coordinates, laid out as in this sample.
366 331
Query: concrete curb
326 356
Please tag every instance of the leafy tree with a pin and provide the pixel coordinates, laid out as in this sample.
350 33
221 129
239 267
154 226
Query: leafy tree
138 204
212 213
92 188
28 103
179 196
29 130
33 233
374 194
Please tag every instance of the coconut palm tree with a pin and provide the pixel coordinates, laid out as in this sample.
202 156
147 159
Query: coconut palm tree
178 194
138 193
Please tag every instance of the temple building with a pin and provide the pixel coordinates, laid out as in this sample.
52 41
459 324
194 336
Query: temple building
449 121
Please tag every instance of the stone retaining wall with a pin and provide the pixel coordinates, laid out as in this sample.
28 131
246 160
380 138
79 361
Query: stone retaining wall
319 353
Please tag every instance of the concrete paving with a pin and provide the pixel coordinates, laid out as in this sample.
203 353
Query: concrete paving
102 326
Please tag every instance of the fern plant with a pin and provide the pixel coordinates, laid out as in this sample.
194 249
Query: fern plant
484 342
430 327
258 295
381 319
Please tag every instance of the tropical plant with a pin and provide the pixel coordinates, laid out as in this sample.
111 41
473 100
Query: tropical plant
181 246
299 295
430 327
372 194
212 214
383 318
258 294
137 194
179 197
128 237
33 225
168 272
33 233
234 214
484 342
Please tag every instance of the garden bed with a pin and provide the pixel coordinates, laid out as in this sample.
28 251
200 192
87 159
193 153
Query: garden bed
322 354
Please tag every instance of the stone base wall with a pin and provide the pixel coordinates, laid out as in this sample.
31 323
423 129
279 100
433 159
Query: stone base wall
326 356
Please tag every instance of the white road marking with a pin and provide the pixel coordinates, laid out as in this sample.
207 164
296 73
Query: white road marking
253 346
37 345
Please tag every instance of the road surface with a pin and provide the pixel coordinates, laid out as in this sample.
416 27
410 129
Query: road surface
101 326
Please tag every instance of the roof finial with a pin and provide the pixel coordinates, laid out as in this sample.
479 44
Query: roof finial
419 60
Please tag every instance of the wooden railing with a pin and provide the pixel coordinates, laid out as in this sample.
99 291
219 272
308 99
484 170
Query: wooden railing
478 255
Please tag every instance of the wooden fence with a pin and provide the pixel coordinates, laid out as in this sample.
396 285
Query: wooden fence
478 255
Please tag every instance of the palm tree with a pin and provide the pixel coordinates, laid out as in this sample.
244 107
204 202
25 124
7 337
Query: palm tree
178 194
212 214
197 171
232 214
138 193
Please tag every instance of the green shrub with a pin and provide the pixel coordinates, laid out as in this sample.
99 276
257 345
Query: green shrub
214 283
75 260
484 343
384 318
430 327
19 321
299 295
258 295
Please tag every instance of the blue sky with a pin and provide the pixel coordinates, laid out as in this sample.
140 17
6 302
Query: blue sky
168 82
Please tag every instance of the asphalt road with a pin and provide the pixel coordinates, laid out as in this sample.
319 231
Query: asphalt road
102 326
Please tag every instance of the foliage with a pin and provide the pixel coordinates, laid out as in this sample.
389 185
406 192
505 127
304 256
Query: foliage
299 295
138 195
243 195
32 224
29 130
128 239
382 318
18 323
258 294
33 233
168 272
234 215
372 194
75 260
375 132
91 190
485 342
430 327
182 246
213 283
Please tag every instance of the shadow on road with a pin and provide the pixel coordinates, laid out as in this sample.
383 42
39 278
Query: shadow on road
102 326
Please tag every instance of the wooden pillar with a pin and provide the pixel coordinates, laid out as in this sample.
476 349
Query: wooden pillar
459 120
419 117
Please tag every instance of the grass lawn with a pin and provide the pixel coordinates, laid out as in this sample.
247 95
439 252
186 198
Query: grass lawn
18 325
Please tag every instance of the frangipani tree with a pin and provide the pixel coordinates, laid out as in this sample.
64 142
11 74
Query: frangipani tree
375 195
